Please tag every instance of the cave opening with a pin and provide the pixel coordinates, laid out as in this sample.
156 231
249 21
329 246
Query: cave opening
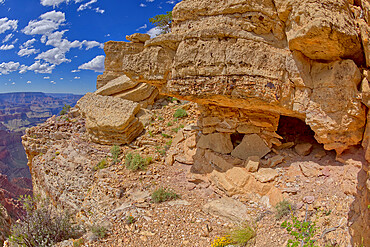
295 130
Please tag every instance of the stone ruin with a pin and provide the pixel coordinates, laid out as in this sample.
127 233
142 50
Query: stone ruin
250 63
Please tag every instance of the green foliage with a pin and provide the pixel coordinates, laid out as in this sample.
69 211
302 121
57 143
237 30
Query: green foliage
161 151
101 165
242 234
163 21
178 128
173 99
302 231
78 242
164 194
283 208
98 231
180 113
169 124
150 133
115 151
65 109
135 162
166 135
42 225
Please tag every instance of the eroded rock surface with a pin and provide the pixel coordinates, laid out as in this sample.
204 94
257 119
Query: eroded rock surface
110 120
248 63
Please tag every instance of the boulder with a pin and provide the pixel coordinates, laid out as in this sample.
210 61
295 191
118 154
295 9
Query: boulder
228 209
303 149
110 120
266 175
252 163
218 142
251 145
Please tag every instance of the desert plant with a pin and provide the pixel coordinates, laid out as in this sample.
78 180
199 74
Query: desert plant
65 109
164 194
283 208
222 241
98 231
101 165
42 225
163 22
242 234
130 219
135 162
180 113
78 242
301 231
115 151
178 128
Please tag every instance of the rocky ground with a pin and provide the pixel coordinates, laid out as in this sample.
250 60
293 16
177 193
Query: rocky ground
66 169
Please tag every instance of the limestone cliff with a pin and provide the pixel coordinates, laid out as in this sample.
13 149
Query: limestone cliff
248 63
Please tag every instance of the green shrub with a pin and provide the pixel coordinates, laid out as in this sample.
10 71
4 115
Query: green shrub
283 208
163 22
65 109
180 113
98 231
135 162
130 220
178 128
101 165
115 151
242 234
164 194
42 225
78 242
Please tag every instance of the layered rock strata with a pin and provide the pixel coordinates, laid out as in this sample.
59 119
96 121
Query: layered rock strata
114 83
110 120
248 63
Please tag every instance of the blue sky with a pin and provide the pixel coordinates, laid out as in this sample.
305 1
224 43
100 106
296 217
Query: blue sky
57 45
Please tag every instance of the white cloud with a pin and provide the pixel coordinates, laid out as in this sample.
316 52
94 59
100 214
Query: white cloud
92 44
29 82
86 5
47 77
150 1
6 24
97 64
77 78
8 37
52 2
44 68
2 1
75 71
155 31
6 68
6 47
27 52
142 27
48 23
53 56
29 42
142 5
98 10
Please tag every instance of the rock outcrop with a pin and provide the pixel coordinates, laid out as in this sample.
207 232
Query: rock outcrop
248 63
110 120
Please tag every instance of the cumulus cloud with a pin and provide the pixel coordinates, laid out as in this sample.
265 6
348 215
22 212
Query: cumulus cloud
154 32
52 2
6 24
97 64
6 47
47 23
91 44
86 5
40 68
77 78
53 56
27 52
6 68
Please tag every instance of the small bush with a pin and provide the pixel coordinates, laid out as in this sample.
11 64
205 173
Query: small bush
283 208
178 128
130 220
164 194
78 242
115 151
135 162
242 235
98 231
180 113
41 225
65 109
101 165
